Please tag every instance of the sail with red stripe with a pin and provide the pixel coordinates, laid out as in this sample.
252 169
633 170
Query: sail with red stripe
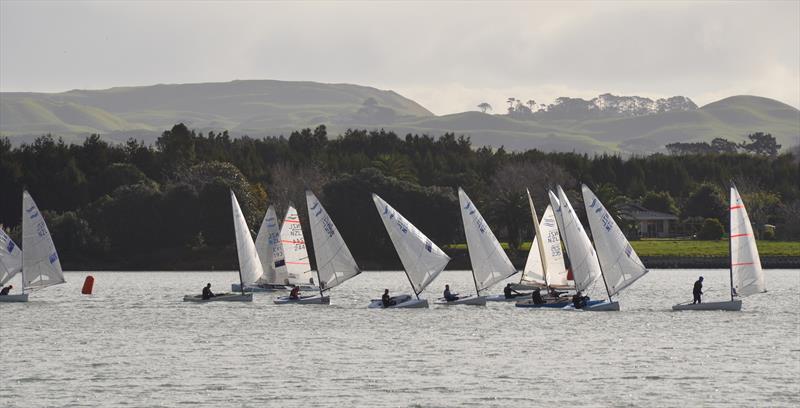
747 277
298 266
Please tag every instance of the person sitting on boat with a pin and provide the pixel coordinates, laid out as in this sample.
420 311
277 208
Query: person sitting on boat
698 291
386 299
295 293
579 301
537 297
207 293
554 293
6 289
510 293
449 296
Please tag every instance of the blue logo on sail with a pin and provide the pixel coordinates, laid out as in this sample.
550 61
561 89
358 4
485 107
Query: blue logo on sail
10 246
429 246
53 258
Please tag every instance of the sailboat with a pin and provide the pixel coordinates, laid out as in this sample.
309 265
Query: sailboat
545 265
10 266
40 265
298 267
249 263
422 260
335 263
490 264
746 274
619 263
270 253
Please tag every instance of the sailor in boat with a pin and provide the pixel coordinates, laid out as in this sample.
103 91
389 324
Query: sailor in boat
554 293
6 289
537 297
207 293
698 291
510 293
449 296
295 293
386 299
579 301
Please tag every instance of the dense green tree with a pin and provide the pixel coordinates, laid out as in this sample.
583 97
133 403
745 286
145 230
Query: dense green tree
711 230
707 202
659 201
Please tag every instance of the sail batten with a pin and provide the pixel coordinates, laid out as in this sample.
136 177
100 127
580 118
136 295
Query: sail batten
335 263
490 264
250 267
421 258
41 266
620 264
747 276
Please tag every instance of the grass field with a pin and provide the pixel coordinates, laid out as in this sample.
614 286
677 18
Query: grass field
687 248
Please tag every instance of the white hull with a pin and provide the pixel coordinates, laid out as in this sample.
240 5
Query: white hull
730 305
466 300
503 298
304 300
222 297
235 287
401 302
604 307
22 297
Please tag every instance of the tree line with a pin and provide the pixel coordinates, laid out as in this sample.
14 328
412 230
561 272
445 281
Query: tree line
167 206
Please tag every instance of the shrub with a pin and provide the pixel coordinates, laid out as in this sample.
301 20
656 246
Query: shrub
711 230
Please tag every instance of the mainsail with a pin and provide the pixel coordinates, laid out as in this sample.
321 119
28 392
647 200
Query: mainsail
335 264
583 259
249 263
10 258
270 251
421 258
298 266
747 277
490 264
621 266
552 272
40 263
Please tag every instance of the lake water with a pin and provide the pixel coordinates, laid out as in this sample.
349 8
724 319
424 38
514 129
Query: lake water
135 343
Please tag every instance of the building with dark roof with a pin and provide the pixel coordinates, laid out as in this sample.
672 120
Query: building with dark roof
651 224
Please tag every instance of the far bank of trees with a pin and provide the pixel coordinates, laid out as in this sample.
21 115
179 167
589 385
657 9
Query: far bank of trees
167 205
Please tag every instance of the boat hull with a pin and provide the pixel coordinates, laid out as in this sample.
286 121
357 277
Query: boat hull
730 305
222 297
471 300
235 287
401 302
549 305
22 297
303 300
503 298
589 305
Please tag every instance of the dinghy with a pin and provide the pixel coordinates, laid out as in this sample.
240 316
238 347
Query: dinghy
270 253
10 266
746 274
545 265
422 260
41 266
298 267
335 263
249 263
490 264
619 263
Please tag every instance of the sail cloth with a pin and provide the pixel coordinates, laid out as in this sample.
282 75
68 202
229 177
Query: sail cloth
10 258
621 265
746 273
270 251
40 263
552 272
298 267
335 264
556 204
421 258
583 259
249 263
490 264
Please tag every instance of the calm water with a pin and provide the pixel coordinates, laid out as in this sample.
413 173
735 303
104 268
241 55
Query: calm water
135 343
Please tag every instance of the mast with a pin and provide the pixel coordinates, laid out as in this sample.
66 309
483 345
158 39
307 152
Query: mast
539 239
477 291
730 239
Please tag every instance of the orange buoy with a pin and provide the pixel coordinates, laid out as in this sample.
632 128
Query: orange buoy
87 285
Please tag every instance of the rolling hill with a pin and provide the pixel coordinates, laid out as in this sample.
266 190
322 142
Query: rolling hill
269 108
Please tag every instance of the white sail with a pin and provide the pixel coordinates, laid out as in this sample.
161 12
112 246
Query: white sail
249 262
10 258
421 258
556 273
621 265
270 251
556 204
490 264
40 263
335 264
746 273
298 267
583 259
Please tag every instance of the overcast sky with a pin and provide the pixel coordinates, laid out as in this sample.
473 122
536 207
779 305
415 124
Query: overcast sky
448 56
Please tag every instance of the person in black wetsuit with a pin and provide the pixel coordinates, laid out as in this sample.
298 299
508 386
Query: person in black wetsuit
698 291
386 299
579 301
207 293
6 289
510 293
449 296
536 297
295 293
